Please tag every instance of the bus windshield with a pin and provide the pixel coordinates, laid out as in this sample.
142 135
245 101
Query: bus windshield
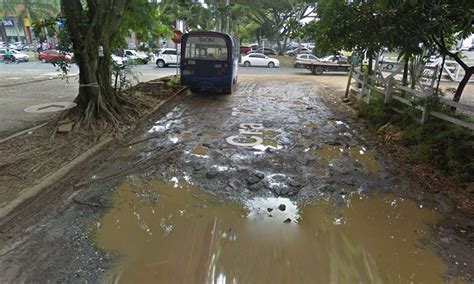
206 48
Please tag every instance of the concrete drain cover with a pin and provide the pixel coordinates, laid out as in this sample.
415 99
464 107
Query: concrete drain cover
50 107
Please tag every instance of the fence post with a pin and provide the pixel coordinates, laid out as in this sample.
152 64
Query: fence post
435 76
349 81
425 112
389 90
364 84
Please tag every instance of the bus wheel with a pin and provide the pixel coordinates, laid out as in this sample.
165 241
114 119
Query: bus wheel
247 64
271 65
160 63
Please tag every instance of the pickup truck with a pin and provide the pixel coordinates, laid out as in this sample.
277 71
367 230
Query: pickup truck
328 63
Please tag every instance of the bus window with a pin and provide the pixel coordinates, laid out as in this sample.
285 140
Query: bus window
206 48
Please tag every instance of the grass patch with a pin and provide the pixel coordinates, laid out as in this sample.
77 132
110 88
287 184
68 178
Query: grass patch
285 61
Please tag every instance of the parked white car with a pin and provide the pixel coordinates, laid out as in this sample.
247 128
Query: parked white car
304 58
133 55
120 62
259 59
297 51
167 56
19 56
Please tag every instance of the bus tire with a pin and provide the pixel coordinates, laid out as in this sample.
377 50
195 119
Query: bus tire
271 65
247 64
160 63
318 70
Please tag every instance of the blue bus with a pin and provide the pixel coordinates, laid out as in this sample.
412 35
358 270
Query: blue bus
209 61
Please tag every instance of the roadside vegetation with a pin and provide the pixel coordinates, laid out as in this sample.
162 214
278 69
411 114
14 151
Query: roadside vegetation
447 147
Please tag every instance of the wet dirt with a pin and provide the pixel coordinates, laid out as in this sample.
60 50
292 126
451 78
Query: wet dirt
328 153
311 161
175 233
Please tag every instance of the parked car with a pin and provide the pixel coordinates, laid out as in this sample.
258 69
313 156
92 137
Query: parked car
120 62
254 46
292 45
304 58
30 47
19 57
259 59
297 51
132 55
51 55
167 56
335 59
311 46
244 49
266 51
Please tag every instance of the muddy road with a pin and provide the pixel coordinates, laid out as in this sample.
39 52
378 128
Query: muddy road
265 185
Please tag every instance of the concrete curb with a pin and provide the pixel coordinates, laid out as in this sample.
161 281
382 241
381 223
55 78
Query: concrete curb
54 177
22 132
39 80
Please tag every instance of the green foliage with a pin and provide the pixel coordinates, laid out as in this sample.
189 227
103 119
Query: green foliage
123 78
400 24
448 147
142 18
374 111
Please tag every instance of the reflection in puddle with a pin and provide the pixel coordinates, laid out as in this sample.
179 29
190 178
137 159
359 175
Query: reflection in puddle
200 151
182 235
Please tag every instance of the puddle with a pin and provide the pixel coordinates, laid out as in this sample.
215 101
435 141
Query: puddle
186 136
212 133
270 143
270 132
328 153
365 157
173 233
200 151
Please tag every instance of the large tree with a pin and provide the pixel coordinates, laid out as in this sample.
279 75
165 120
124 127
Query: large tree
94 28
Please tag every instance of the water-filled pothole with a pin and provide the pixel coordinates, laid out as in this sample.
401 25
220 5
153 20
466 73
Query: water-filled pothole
174 233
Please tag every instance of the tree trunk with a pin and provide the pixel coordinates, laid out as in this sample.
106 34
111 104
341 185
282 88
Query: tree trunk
283 49
97 100
405 72
467 75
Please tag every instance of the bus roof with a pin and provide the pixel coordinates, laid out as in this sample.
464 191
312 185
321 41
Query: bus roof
207 33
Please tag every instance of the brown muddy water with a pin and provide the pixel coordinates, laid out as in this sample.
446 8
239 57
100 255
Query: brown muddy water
174 233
